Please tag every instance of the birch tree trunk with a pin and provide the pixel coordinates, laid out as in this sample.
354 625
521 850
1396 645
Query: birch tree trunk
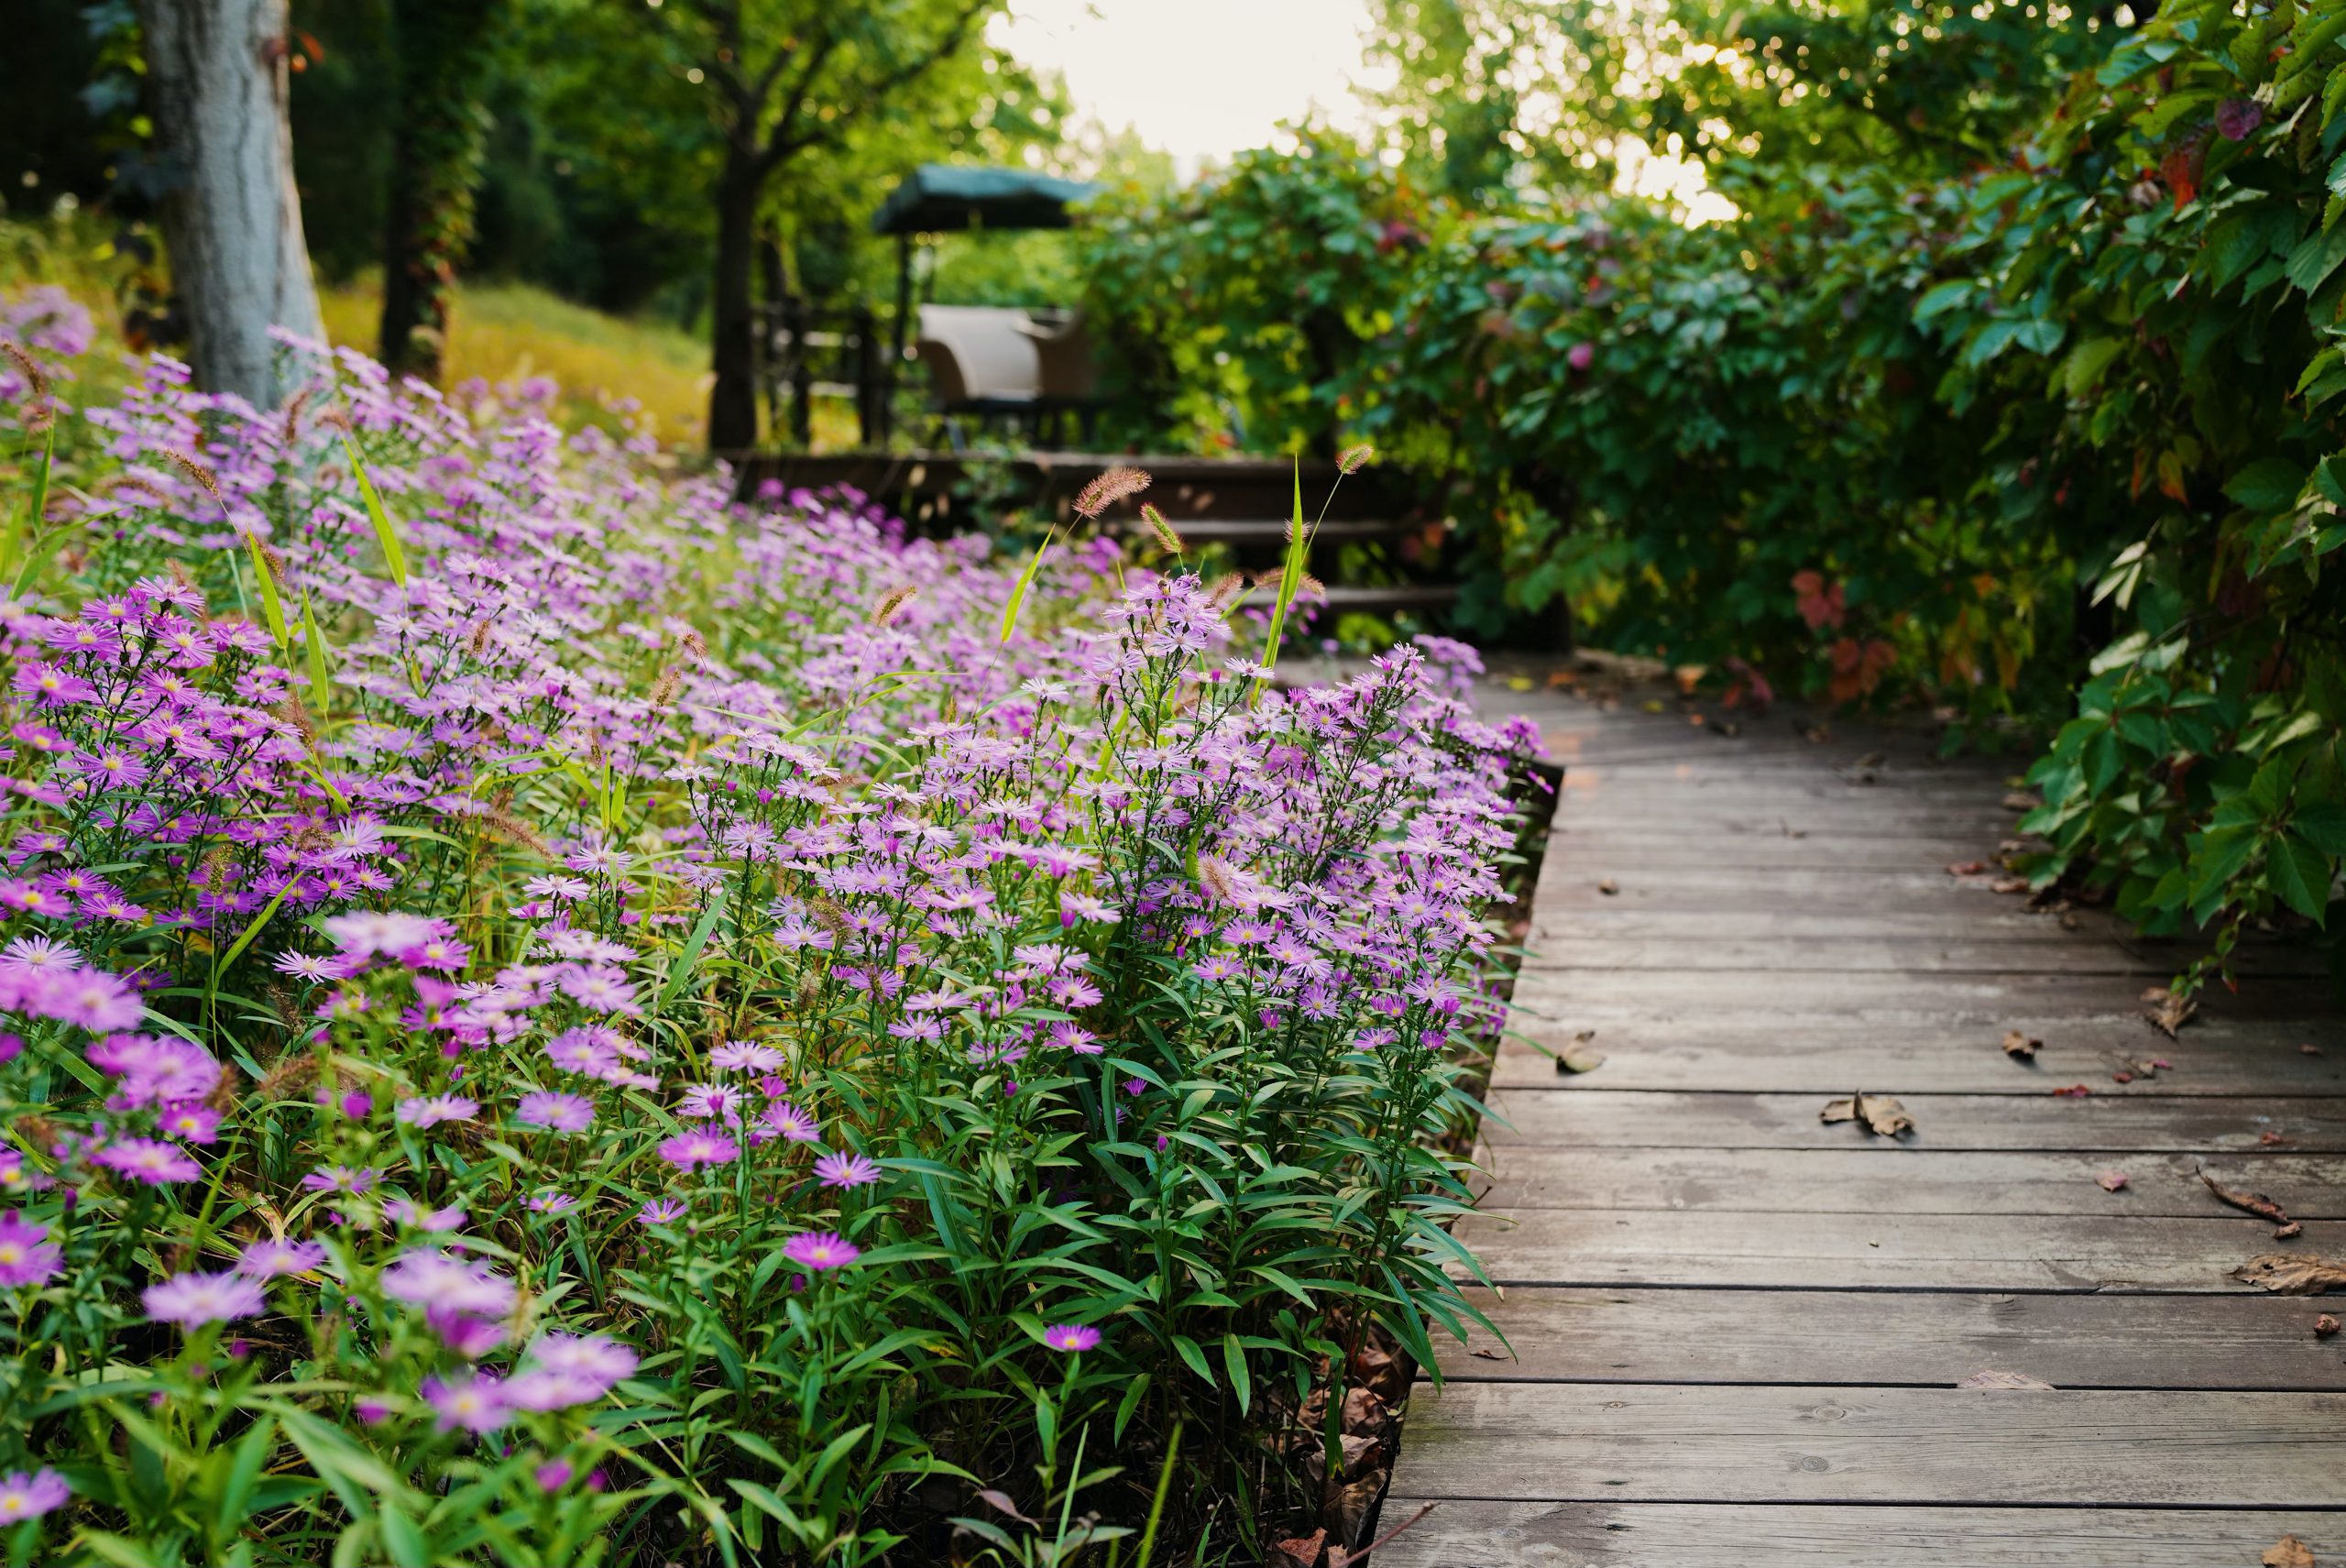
217 84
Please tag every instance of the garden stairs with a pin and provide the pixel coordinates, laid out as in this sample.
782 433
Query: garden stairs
1238 504
1737 1336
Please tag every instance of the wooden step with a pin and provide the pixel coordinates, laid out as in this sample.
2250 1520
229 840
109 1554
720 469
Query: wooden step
1423 599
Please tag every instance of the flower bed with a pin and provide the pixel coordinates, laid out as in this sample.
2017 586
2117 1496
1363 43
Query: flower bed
554 1019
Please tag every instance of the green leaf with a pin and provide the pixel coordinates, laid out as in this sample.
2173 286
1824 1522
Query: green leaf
385 534
2316 257
1234 1357
271 604
2269 483
2300 875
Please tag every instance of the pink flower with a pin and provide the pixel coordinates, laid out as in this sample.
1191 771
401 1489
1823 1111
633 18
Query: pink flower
429 1110
190 1301
1071 1337
846 1170
687 1150
1581 356
148 1160
27 1497
820 1250
475 1402
268 1259
27 1254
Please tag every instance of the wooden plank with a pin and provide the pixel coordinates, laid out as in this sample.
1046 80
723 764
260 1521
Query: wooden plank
1567 1442
1604 1118
1623 1334
1900 1182
1876 1252
1910 995
1478 1534
1823 1053
1557 953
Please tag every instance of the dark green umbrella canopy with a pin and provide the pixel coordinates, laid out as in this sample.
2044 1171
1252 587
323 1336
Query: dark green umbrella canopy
936 198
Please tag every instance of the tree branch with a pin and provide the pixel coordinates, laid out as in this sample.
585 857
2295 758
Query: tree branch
782 144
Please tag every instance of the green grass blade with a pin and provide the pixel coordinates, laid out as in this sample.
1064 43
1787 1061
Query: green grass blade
1291 584
271 604
267 912
1156 1504
1026 581
320 673
385 534
36 507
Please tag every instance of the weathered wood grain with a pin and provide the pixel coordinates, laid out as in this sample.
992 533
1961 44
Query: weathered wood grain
1734 1330
1578 1442
1879 1339
1877 1252
1901 1181
1824 1054
1604 1118
1667 1535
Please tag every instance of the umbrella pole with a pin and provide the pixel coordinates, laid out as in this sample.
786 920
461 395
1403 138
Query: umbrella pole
896 350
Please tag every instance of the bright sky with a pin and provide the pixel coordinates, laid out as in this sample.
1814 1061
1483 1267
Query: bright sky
1201 79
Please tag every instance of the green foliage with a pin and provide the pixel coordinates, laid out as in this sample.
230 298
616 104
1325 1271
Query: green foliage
2011 385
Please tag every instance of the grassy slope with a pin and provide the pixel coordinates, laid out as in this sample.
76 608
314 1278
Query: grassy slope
503 331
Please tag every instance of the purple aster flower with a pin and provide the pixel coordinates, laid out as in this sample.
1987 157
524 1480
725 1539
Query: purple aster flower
553 1476
745 1055
194 1124
820 1250
431 1110
473 1401
27 1497
1071 1337
556 1112
340 1178
688 1151
846 1170
27 1254
437 1279
790 1122
661 1212
150 1161
552 1203
268 1259
464 1333
431 1221
190 1301
368 932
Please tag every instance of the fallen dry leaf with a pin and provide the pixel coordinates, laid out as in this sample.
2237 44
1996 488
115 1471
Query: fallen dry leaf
2285 1232
2256 1203
2324 1326
2292 1273
2111 1181
1487 1355
1577 1056
2008 884
2075 1091
1882 1116
2288 1552
1967 868
2168 1012
1609 887
2020 1047
1303 1550
2310 1049
1991 1378
2018 801
2272 1135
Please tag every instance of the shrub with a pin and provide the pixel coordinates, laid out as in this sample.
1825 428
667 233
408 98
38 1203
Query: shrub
554 1018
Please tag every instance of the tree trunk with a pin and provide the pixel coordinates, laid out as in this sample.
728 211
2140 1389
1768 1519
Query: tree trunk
733 401
443 47
217 84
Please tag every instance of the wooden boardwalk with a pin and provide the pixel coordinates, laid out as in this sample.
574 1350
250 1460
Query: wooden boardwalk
1737 1335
